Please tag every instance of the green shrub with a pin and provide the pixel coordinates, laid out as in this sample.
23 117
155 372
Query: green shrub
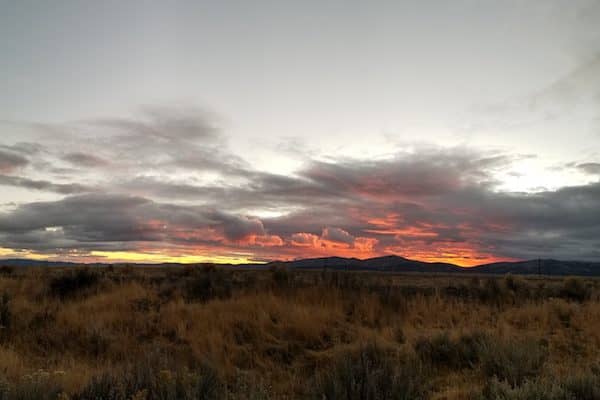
154 384
497 390
513 361
585 386
371 374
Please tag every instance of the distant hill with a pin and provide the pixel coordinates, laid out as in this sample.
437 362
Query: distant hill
386 264
383 264
545 267
401 264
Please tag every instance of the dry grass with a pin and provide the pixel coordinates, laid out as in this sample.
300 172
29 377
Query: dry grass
119 333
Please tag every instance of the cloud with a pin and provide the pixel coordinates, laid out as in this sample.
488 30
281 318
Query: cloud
240 227
10 161
304 239
337 235
84 160
174 186
62 188
590 168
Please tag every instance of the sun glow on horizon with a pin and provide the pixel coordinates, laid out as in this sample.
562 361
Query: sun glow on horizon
461 258
157 258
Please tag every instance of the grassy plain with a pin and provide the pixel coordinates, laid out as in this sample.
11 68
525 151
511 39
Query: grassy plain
213 333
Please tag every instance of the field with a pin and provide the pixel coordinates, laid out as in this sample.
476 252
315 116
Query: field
214 333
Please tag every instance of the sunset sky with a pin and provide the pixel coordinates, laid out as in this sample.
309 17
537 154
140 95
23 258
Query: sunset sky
464 131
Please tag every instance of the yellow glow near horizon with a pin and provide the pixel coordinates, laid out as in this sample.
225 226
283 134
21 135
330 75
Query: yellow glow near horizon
126 256
4 252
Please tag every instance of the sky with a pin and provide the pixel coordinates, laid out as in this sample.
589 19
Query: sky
235 131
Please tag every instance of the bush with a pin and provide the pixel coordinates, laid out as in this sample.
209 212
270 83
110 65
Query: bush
437 350
440 350
513 361
578 387
575 289
145 381
583 387
72 283
492 291
281 276
518 286
5 313
37 386
496 390
371 374
209 283
246 386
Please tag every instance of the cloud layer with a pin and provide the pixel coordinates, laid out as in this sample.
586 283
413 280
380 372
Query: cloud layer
166 184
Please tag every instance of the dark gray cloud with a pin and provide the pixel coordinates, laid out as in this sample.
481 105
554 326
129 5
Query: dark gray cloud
238 227
101 221
84 160
62 188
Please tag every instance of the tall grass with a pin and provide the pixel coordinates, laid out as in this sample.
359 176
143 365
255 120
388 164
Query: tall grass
209 332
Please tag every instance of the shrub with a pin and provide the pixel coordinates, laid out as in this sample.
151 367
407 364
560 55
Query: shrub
393 299
437 350
513 361
281 276
578 387
517 285
440 350
5 313
73 283
497 390
37 386
583 387
575 289
209 283
492 291
399 335
147 382
248 387
564 311
371 374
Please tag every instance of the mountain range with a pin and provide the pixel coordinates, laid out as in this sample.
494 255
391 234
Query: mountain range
400 264
390 263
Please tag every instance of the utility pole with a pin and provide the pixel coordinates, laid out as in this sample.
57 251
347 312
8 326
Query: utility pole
539 266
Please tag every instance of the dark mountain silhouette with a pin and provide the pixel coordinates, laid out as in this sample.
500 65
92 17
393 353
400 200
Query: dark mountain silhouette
544 267
382 264
386 263
401 264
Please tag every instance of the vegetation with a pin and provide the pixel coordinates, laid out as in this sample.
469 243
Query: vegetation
213 333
